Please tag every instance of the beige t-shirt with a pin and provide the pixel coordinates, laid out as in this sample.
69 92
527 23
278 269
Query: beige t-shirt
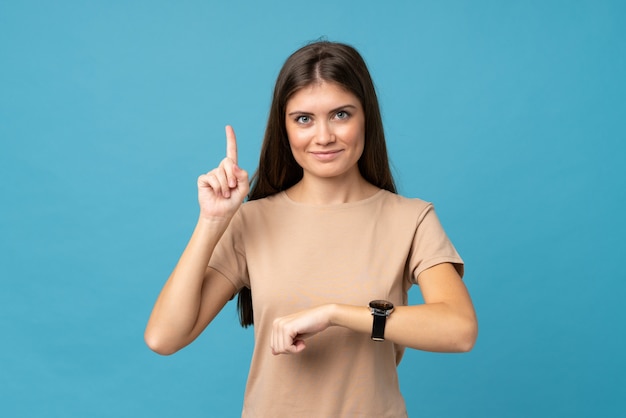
294 256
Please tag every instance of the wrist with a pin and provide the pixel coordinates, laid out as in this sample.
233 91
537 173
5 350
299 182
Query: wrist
212 223
207 233
355 318
332 314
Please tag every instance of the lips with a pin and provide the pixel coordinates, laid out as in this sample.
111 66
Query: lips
326 155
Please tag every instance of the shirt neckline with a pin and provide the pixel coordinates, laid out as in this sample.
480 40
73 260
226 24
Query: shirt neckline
283 195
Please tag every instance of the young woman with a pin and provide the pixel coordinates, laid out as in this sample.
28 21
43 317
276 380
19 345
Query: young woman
322 255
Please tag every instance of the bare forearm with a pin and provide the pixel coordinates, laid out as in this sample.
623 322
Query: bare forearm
429 327
175 313
446 322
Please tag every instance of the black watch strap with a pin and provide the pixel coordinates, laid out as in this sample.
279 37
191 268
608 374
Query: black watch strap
378 327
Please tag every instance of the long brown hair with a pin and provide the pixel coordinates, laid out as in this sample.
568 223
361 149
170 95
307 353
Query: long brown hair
278 170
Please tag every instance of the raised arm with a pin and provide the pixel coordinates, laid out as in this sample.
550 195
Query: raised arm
194 294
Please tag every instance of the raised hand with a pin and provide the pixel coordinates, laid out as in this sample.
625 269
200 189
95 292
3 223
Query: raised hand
222 190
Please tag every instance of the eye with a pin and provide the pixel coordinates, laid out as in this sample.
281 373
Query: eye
303 119
342 114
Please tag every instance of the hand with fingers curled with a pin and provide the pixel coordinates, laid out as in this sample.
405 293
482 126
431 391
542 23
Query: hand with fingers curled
290 332
222 190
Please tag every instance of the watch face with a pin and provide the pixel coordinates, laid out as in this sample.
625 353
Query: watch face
381 304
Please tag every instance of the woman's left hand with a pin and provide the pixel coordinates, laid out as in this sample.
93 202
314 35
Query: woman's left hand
289 332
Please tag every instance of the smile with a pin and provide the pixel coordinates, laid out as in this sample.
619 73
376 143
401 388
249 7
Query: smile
326 155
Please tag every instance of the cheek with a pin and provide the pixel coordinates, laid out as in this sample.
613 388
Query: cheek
297 140
355 136
359 144
296 146
353 131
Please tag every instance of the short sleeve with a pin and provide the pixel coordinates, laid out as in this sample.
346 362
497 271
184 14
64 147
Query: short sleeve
229 258
431 246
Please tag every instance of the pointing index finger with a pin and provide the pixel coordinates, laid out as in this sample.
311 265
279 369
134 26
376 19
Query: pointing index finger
231 144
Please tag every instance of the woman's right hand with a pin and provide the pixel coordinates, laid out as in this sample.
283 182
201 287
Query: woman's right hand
222 190
195 293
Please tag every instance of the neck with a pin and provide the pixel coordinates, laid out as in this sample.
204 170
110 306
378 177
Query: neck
331 191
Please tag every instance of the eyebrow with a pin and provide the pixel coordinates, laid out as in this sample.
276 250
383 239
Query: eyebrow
301 112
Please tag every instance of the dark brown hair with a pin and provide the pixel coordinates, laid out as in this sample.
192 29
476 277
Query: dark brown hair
278 170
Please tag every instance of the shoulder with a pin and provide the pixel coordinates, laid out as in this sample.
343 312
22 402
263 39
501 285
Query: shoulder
270 205
410 205
253 215
273 200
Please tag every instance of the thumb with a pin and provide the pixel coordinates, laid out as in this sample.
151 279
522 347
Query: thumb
243 185
241 175
298 345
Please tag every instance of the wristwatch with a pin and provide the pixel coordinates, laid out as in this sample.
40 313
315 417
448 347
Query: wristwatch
381 309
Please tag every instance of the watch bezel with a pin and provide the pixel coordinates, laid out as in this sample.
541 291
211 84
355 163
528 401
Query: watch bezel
381 307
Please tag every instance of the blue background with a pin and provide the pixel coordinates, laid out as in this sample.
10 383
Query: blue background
509 116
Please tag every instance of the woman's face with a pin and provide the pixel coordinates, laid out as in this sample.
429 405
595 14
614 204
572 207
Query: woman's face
326 129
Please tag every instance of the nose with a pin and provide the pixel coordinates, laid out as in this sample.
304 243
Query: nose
325 134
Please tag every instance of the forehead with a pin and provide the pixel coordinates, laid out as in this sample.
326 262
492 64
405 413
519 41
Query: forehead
321 96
